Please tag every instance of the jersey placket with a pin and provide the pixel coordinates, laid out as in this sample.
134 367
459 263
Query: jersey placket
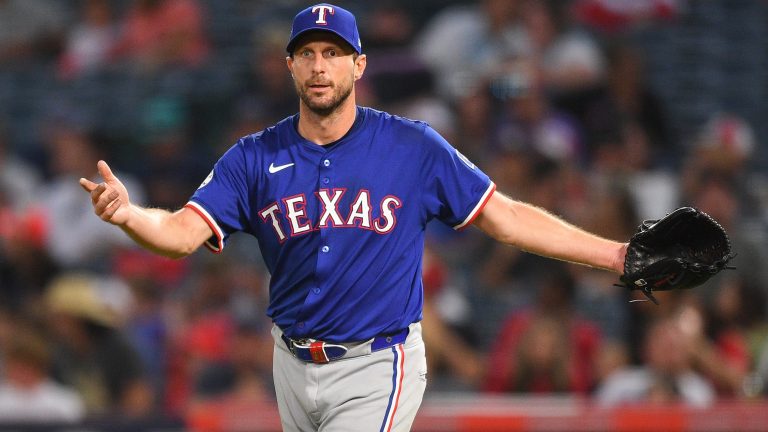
325 251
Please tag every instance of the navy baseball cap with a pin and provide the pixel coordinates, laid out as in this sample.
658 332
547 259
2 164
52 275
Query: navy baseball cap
326 17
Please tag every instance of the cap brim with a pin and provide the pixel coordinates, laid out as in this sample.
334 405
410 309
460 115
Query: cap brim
292 43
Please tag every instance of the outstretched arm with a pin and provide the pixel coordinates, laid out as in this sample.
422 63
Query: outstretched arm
172 234
537 231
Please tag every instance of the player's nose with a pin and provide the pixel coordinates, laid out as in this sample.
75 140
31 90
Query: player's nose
319 65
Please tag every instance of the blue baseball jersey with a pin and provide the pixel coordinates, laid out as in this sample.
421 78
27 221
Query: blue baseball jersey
341 228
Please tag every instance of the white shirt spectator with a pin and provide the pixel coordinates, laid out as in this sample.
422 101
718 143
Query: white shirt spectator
74 236
46 402
636 386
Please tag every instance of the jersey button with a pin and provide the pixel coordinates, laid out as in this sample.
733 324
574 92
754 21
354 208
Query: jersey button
300 325
326 162
326 180
325 249
316 290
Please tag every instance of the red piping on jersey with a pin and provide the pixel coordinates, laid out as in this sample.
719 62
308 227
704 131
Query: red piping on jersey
491 190
213 227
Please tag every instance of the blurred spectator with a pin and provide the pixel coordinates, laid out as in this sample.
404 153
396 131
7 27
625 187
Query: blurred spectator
757 382
245 374
147 330
249 280
390 27
612 356
716 336
623 114
736 312
163 33
726 149
631 100
473 115
654 189
464 44
204 340
140 267
717 195
24 266
666 376
530 123
267 81
236 391
89 41
431 110
91 352
171 167
398 79
724 145
204 330
546 348
612 16
19 180
454 362
74 236
27 393
30 30
720 355
570 59
222 345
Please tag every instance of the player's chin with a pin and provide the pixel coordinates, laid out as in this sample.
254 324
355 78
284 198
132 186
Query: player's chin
324 104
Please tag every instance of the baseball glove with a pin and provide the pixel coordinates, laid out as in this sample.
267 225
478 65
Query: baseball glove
682 250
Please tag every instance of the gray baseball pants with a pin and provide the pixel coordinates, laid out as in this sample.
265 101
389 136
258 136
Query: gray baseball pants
362 391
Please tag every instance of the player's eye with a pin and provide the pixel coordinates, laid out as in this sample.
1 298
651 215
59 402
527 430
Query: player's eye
331 53
305 53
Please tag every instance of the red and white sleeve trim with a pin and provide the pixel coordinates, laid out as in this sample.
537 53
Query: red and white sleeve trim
478 208
197 208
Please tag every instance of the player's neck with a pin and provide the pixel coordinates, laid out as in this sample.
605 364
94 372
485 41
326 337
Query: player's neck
325 129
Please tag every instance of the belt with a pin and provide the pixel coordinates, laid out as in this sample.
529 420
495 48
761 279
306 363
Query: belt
316 351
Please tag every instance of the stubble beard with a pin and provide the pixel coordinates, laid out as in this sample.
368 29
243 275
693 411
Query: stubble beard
327 107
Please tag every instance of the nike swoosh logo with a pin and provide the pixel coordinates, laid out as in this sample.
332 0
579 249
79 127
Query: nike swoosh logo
273 169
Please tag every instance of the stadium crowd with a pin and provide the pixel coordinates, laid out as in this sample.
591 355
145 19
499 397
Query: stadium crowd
553 99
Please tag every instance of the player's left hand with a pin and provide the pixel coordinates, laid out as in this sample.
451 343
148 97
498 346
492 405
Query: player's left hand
110 197
682 250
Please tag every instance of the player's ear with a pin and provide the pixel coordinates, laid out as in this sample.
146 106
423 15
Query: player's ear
289 63
360 62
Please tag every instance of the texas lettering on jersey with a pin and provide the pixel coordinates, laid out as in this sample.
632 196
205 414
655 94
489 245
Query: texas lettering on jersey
341 229
290 219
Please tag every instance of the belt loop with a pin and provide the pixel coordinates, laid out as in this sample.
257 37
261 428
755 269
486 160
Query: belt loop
382 342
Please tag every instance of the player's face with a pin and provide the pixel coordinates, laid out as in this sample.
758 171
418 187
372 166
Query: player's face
324 70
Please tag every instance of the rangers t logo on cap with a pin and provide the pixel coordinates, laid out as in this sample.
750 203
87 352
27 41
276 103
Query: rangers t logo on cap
322 9
318 18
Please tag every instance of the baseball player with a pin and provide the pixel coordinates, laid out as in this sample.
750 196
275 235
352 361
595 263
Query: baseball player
338 197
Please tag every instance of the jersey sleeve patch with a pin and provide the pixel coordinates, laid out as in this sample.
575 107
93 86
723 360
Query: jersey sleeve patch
214 245
478 208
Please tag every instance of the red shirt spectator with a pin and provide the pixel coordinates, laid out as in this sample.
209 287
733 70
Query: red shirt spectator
538 353
162 32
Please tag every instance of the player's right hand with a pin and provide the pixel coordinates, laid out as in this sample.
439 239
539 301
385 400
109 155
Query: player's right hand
110 197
